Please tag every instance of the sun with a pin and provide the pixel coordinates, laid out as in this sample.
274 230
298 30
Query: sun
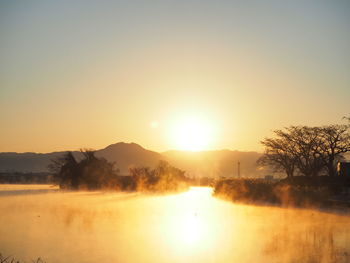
192 134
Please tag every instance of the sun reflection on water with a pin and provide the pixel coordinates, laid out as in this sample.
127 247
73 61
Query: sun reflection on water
191 229
187 227
190 226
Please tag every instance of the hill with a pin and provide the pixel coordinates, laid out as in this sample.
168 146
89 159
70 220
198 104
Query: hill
221 163
126 155
26 162
123 154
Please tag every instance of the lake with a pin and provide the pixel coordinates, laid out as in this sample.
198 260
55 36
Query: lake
42 221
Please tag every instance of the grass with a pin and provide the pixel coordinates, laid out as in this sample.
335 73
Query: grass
11 259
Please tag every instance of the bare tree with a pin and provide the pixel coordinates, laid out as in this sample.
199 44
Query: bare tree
66 171
294 149
306 142
335 142
91 172
309 150
278 155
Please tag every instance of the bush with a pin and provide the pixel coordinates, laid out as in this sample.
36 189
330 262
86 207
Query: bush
302 192
164 178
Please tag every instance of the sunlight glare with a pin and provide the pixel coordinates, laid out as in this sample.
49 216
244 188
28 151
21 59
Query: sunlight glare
192 134
191 230
189 224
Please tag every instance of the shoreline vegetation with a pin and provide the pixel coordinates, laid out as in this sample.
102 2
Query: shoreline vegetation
11 259
302 192
312 158
93 173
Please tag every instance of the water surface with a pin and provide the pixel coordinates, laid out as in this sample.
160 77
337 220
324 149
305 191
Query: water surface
188 227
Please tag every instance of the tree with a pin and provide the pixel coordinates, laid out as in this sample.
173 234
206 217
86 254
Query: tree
309 150
169 177
335 142
163 178
91 172
143 177
96 172
305 141
294 148
66 171
278 155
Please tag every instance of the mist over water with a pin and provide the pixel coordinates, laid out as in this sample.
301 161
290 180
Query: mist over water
188 227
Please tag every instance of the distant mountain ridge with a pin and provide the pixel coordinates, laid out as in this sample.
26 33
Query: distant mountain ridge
26 162
217 163
124 155
220 163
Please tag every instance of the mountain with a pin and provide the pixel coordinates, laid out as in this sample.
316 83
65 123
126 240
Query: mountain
222 163
125 155
26 162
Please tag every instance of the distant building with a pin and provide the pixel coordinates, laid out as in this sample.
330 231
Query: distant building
343 168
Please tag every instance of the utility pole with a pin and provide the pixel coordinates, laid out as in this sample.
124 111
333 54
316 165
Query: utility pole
239 170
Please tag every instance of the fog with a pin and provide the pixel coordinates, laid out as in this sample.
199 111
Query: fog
42 221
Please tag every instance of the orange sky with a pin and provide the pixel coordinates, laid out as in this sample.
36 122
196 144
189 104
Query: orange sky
91 74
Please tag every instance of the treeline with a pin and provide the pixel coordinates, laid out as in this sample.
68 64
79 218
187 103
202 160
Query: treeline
304 154
25 178
93 173
301 191
163 178
306 151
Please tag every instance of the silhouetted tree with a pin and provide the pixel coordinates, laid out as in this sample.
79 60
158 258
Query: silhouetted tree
66 171
91 172
309 150
335 142
278 155
96 172
306 142
143 177
169 177
163 178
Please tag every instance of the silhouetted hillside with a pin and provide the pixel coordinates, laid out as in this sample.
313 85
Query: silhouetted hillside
124 155
222 163
26 162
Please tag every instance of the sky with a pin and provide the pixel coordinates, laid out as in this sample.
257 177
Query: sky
86 74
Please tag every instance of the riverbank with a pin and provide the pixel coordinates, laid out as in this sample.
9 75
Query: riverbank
321 192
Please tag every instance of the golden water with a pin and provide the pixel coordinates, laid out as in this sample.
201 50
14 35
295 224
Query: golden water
188 227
